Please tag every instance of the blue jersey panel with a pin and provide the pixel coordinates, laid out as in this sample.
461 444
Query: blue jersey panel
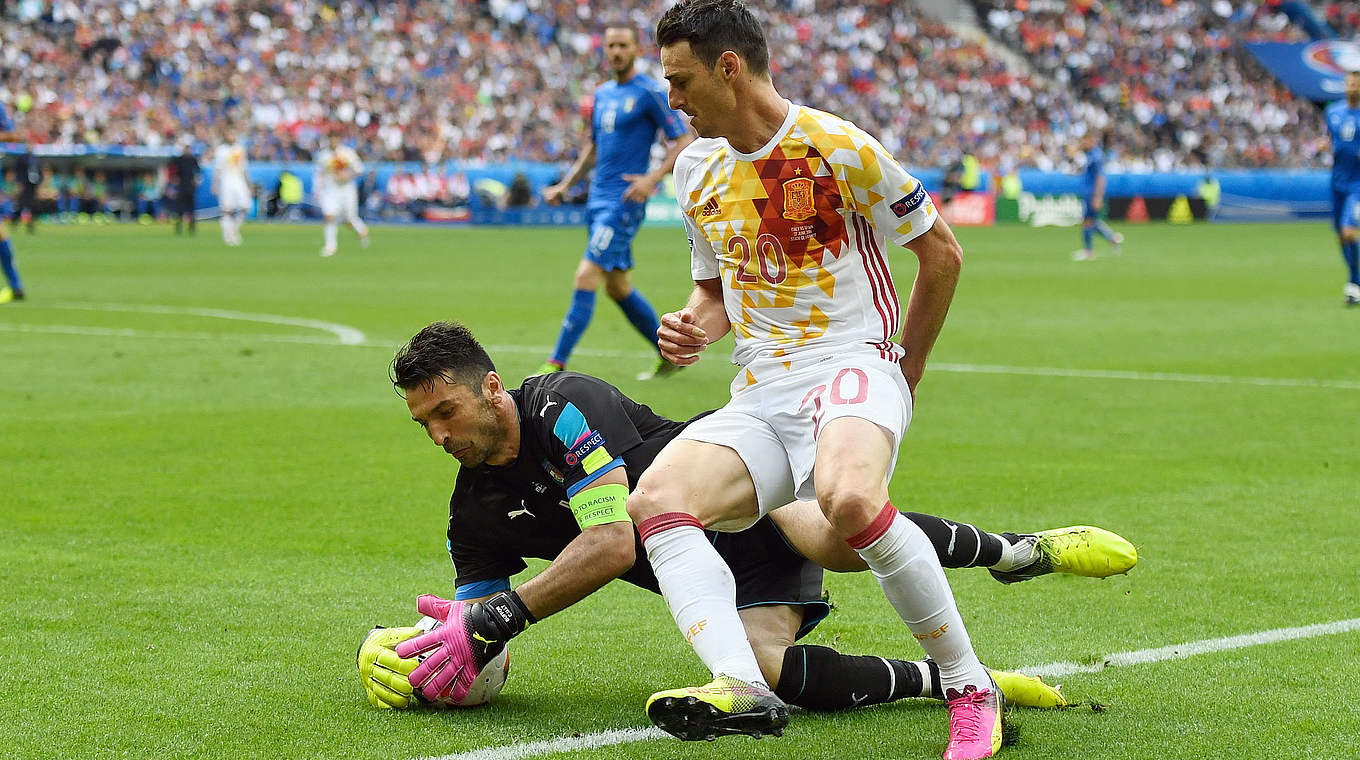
5 124
1343 124
1095 167
624 124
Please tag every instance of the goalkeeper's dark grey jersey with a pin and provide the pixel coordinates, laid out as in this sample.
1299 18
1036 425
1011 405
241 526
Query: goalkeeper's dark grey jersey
500 515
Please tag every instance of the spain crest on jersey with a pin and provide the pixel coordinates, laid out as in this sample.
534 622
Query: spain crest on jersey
798 203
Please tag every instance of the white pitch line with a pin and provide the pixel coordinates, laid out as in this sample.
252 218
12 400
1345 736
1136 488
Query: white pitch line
1056 669
347 335
563 744
1192 648
350 336
1170 377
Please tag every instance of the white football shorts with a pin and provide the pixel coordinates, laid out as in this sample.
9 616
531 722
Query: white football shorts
235 195
773 425
341 202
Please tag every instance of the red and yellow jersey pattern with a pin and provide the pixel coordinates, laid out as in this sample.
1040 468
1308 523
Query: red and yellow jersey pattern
337 167
797 233
230 162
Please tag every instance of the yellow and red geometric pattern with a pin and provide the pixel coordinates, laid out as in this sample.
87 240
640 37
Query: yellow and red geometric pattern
797 232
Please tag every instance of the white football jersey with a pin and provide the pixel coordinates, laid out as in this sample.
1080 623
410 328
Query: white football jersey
797 230
338 167
230 162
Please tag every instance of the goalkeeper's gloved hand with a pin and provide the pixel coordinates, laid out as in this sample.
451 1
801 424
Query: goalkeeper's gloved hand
471 635
382 672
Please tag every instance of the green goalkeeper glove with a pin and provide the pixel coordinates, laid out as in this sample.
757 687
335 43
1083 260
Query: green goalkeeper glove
382 672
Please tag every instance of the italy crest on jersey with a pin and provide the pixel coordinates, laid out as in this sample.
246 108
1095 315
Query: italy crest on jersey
798 203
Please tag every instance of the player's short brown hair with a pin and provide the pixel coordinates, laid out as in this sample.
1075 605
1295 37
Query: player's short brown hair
712 27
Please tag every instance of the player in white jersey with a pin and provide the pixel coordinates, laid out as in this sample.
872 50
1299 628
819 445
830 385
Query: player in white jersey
337 168
230 168
787 211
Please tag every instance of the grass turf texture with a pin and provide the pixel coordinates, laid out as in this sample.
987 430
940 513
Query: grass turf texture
200 521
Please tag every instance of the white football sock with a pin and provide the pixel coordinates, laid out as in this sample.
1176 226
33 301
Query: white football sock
701 593
359 227
905 563
330 230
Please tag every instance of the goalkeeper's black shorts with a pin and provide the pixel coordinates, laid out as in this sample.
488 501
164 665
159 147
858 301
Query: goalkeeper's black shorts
769 571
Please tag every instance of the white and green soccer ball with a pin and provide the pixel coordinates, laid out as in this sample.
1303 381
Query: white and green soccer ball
489 681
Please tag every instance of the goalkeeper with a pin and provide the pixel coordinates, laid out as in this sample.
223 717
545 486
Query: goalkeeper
545 471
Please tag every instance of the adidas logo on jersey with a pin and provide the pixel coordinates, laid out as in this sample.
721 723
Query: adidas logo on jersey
711 208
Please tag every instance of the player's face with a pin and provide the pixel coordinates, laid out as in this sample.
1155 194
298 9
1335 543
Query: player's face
459 421
620 46
697 90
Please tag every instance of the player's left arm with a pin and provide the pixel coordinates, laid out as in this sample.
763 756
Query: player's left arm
1098 192
603 551
940 260
643 185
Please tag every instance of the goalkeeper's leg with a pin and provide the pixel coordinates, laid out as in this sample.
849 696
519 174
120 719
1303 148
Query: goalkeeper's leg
822 679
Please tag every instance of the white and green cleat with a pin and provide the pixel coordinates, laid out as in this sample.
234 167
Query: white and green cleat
1079 550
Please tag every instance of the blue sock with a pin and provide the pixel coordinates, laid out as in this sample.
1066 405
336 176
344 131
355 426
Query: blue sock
1351 252
7 263
574 324
1086 238
1105 232
642 315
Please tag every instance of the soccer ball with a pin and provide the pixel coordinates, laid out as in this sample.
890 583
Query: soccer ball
489 682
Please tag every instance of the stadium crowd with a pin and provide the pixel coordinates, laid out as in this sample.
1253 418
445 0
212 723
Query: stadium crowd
426 80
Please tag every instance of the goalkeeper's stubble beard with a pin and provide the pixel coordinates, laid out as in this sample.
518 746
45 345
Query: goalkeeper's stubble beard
486 438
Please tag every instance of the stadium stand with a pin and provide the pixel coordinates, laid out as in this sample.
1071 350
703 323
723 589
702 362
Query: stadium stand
426 81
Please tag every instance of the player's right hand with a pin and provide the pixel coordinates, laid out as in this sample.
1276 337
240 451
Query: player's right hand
382 672
552 195
453 653
680 338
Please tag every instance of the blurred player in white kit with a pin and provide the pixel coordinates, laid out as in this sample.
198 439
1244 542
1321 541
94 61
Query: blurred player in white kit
337 167
229 184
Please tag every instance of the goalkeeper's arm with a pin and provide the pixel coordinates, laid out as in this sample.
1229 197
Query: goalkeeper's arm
604 551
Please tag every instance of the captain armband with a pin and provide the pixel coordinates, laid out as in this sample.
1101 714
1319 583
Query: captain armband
600 505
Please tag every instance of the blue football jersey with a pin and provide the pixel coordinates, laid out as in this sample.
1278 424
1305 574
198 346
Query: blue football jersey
1095 167
5 124
1343 124
623 125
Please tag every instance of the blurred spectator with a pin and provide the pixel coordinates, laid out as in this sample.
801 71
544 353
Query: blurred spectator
493 81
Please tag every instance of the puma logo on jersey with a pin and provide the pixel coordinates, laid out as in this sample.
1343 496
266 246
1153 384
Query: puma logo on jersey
711 208
524 510
544 412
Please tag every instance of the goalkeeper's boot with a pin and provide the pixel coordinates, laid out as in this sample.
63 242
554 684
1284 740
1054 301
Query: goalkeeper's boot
1079 550
547 368
1021 690
662 369
974 722
725 706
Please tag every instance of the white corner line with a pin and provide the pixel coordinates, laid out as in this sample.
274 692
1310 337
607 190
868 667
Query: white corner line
346 335
1056 669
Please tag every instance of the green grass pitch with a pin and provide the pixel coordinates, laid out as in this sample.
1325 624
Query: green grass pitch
205 502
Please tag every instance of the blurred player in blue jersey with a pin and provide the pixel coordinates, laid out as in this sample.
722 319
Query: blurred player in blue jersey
14 290
1343 118
1093 199
628 113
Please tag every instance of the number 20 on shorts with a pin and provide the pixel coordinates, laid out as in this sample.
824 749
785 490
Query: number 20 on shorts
838 395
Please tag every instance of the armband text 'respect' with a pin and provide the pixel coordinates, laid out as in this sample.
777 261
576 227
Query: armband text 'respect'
600 505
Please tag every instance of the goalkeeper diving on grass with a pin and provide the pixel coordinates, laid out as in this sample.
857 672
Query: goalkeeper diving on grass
545 470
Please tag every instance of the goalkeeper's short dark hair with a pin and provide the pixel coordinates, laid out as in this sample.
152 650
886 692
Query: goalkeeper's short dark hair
445 350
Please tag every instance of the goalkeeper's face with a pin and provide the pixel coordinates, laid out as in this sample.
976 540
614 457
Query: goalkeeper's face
459 420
